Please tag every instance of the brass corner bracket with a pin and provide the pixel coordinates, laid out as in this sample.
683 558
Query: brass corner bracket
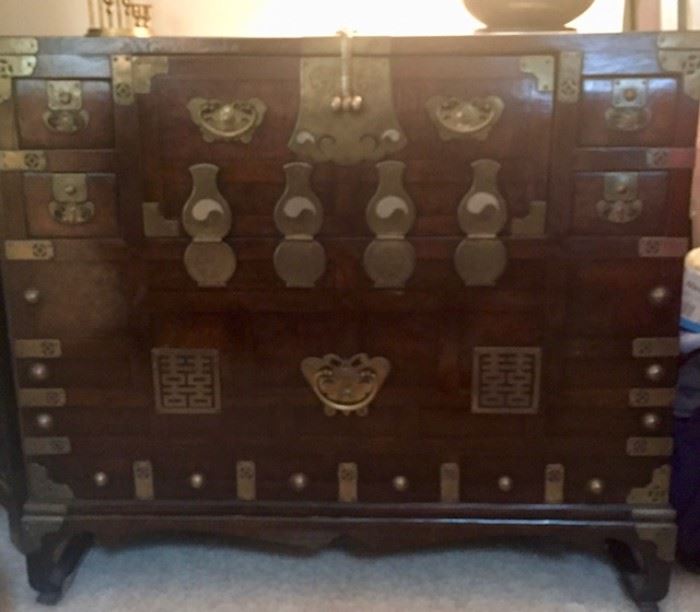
680 53
132 74
17 59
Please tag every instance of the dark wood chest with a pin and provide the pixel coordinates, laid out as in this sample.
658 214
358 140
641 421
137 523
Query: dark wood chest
408 291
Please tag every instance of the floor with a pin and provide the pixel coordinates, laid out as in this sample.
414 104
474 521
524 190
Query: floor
191 577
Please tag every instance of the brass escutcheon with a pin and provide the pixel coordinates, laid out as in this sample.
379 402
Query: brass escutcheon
456 118
65 114
227 121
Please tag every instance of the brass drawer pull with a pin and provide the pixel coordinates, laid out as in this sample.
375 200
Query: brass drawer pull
219 120
457 118
346 385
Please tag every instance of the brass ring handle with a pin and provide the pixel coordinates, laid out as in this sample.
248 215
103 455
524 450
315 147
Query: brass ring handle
346 386
227 121
457 118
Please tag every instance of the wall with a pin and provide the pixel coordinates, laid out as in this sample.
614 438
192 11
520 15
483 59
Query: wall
280 17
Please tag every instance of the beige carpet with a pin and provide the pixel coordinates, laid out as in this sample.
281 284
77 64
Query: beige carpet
181 577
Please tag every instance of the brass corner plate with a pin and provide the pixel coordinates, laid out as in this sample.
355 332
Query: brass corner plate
663 536
42 487
156 225
532 225
656 492
133 75
346 386
685 63
542 68
13 63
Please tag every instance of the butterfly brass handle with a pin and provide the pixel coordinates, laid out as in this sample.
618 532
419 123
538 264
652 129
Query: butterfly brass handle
346 386
227 121
456 118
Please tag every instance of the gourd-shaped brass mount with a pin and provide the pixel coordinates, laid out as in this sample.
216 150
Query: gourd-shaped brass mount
481 258
390 259
299 259
206 217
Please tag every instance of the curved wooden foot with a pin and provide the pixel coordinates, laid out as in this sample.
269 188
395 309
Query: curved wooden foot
51 569
644 575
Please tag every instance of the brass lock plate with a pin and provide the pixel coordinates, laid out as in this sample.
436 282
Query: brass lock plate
620 203
70 205
65 113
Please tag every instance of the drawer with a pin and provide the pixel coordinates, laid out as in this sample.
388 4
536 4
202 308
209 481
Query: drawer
65 114
624 297
631 112
620 203
71 205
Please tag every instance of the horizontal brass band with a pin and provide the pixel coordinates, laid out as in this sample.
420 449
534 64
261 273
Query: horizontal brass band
14 45
22 160
661 246
644 348
46 446
43 348
651 397
649 447
28 250
39 398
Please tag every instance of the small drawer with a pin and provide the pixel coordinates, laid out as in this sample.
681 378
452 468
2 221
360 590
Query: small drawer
65 114
71 205
628 112
619 203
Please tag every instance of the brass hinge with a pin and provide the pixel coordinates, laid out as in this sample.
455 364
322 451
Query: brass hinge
17 59
656 492
132 75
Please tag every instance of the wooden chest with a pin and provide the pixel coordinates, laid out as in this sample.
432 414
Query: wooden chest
406 291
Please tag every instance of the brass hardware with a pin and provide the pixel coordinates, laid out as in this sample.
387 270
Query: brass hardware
542 68
186 381
481 259
400 484
35 528
39 398
46 446
651 421
570 69
143 480
457 119
369 133
347 482
649 447
533 225
629 112
207 218
70 205
620 203
18 161
595 486
227 121
679 40
197 481
101 479
42 487
505 484
298 481
347 101
346 385
65 114
38 371
660 296
245 480
650 348
132 75
28 250
299 260
119 18
655 372
156 225
494 368
648 398
554 475
390 259
662 536
663 247
656 492
16 60
449 483
44 421
685 62
31 295
38 349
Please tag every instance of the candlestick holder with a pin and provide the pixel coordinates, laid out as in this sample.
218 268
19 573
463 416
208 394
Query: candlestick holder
119 18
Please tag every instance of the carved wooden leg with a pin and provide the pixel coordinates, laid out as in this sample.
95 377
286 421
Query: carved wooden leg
51 568
646 577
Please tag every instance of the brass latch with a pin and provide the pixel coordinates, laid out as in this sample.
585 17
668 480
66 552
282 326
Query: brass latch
65 113
629 112
620 203
347 101
70 204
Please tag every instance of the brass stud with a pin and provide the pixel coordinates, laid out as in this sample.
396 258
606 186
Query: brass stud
505 484
31 295
659 296
197 481
38 371
298 481
596 486
100 479
630 94
655 372
44 421
651 421
400 483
